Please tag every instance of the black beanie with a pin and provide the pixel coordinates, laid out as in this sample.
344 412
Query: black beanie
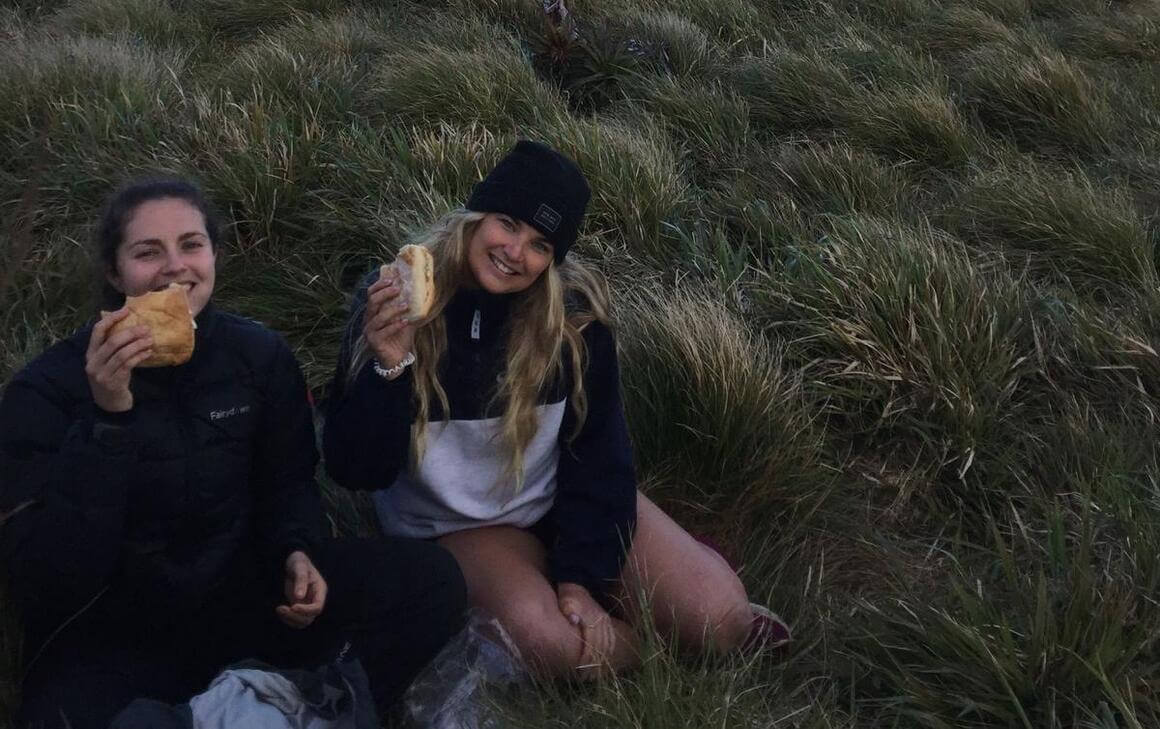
538 185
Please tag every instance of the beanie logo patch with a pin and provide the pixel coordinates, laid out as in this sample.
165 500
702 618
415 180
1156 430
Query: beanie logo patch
547 218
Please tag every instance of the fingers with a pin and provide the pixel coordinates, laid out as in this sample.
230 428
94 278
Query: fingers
110 362
388 316
117 348
597 635
144 349
382 291
599 639
101 329
301 613
293 618
306 592
299 582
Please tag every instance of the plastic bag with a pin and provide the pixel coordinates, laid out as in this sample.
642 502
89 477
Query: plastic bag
449 693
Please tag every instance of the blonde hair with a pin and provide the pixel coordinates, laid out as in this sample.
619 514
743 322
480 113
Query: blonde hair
540 329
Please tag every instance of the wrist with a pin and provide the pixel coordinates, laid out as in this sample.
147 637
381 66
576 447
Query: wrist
394 371
115 406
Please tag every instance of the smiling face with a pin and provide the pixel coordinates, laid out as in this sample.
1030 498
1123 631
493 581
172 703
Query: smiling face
165 242
506 255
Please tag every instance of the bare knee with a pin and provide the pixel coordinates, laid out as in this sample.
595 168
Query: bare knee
722 620
545 639
735 624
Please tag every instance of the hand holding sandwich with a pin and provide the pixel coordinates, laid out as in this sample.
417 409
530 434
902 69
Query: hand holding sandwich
111 356
154 329
388 332
402 296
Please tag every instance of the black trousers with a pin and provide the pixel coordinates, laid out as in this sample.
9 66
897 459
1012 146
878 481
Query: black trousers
397 601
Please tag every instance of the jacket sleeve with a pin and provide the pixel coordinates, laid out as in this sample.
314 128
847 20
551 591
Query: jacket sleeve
63 494
594 513
366 438
288 507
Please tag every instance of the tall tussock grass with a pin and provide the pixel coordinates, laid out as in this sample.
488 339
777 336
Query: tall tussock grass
952 30
792 92
637 183
832 178
496 88
712 406
1041 99
293 79
886 282
157 22
239 21
685 49
919 123
710 122
1133 34
907 338
1059 224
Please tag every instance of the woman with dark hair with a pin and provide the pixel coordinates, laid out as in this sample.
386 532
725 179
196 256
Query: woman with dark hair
161 523
494 425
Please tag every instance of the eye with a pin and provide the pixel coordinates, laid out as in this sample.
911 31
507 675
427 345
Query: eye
542 245
507 222
193 244
145 254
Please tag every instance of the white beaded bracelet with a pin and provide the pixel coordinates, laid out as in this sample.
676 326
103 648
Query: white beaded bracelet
392 372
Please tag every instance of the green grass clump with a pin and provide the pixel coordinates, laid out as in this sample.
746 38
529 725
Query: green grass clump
156 22
955 29
1125 36
637 184
1041 100
686 49
1062 225
792 92
239 21
710 403
921 124
259 161
46 79
377 188
496 88
1082 629
909 339
292 81
830 178
733 22
711 122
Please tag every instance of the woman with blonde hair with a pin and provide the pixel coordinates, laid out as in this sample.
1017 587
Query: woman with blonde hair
495 426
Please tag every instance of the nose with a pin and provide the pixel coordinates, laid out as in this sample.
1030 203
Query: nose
174 263
514 248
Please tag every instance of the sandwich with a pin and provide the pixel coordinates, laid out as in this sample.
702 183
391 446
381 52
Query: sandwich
166 313
416 269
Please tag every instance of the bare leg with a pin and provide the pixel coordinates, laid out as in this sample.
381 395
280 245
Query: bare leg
506 573
692 591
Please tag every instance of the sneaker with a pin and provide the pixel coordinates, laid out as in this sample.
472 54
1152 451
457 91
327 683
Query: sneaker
767 632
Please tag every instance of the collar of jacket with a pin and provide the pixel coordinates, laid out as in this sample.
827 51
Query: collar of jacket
493 309
206 320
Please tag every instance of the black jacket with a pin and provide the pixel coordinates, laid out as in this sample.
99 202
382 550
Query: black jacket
366 438
213 467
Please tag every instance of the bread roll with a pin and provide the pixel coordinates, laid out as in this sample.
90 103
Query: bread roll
416 269
166 313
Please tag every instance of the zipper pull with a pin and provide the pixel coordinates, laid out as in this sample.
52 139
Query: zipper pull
475 326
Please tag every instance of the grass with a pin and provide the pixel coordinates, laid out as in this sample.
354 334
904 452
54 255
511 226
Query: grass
886 277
